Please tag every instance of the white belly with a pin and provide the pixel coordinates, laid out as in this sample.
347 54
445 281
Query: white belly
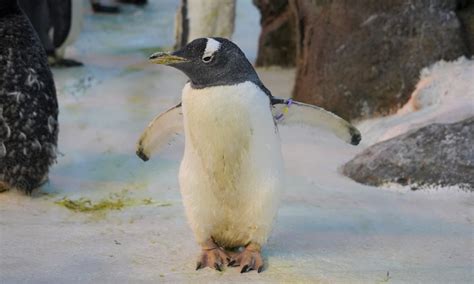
231 173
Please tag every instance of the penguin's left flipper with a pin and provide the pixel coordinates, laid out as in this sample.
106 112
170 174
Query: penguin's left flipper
292 112
160 131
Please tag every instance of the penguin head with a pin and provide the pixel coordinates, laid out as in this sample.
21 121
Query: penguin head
209 62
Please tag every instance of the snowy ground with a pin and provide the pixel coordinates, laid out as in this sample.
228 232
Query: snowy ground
329 228
444 94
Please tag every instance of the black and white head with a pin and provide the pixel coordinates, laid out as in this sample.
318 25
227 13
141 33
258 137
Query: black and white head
210 62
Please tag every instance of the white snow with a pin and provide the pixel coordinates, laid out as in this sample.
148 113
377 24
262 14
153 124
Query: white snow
329 229
444 94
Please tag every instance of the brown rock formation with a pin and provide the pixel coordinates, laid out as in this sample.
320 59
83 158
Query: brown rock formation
363 58
277 42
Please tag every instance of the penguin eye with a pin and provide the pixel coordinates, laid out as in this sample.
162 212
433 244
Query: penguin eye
207 59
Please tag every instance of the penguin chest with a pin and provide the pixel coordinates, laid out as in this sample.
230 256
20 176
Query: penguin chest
218 129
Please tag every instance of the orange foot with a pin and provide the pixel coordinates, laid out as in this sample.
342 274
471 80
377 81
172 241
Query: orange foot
212 256
249 259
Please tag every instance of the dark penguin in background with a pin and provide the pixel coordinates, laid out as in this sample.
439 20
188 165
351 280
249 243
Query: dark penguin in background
53 21
28 104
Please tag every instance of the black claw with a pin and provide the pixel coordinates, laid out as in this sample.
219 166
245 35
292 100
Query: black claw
142 155
198 265
231 262
260 269
244 269
217 267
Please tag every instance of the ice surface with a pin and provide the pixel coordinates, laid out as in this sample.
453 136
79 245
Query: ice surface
329 229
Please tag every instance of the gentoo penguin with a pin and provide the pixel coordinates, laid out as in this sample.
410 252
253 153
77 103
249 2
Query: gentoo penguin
28 104
58 24
231 174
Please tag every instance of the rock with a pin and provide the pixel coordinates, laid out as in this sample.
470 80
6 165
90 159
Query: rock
438 154
362 58
277 42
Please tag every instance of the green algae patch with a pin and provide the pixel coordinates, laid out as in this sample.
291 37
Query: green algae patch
86 205
116 201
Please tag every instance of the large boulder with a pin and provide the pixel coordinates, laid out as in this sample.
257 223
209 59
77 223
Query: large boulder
277 42
362 58
438 154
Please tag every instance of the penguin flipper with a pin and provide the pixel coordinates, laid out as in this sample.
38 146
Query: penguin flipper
292 112
160 131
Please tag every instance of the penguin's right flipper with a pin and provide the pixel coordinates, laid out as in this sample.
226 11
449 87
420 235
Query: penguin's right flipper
159 132
290 112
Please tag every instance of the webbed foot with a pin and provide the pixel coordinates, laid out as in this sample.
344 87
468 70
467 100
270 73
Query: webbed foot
212 256
249 259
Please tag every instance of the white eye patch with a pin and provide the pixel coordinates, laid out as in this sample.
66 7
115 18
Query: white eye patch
212 46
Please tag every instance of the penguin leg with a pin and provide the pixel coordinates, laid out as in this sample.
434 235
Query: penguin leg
212 256
249 259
